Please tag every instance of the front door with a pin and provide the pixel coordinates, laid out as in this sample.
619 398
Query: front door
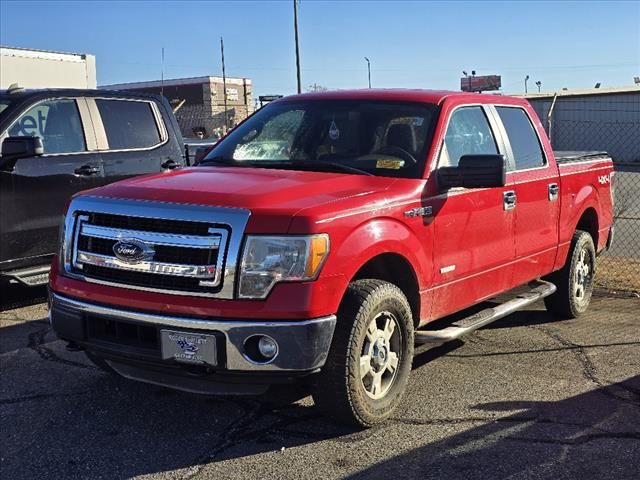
35 192
474 232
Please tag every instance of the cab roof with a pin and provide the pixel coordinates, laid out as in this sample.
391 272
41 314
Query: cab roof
403 95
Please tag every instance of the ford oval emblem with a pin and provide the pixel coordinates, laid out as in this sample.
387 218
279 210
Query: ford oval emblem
132 250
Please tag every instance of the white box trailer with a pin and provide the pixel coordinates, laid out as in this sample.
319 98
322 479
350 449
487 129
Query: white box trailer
43 69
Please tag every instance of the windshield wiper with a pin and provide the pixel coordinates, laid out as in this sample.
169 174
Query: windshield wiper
220 160
310 165
300 165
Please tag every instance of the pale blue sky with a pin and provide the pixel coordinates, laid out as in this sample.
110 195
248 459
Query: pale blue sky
411 44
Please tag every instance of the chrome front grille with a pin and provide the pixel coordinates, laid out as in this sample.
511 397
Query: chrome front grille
186 246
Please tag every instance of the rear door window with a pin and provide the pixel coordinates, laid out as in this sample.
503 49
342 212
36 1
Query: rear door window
468 133
128 124
523 138
57 122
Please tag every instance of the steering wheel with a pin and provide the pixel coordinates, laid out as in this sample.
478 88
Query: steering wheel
398 152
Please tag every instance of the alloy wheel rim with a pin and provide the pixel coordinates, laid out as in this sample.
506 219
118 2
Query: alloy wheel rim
583 276
380 355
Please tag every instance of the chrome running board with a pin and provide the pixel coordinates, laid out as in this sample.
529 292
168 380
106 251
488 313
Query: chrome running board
538 290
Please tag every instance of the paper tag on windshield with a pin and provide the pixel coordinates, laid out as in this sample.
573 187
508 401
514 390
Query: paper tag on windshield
390 164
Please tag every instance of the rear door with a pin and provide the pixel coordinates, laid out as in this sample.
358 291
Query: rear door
474 233
35 192
132 137
536 184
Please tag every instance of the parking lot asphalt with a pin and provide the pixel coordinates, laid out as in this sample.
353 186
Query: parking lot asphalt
525 397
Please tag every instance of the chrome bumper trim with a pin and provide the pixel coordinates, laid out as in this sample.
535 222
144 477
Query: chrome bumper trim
303 345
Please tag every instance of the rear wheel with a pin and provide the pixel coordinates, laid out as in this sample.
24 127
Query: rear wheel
370 358
575 280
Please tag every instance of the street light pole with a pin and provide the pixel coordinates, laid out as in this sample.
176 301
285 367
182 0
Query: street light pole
224 87
295 28
526 79
369 70
539 85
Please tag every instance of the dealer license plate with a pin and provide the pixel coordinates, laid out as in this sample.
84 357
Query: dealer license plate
187 347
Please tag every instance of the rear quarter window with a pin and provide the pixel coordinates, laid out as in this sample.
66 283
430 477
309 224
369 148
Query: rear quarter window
525 144
128 124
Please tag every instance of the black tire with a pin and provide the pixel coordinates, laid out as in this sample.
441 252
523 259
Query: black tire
570 301
339 390
100 363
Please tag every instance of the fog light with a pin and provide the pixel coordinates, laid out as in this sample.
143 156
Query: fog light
260 349
267 347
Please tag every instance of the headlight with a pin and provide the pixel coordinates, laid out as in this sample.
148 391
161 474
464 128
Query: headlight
60 249
268 260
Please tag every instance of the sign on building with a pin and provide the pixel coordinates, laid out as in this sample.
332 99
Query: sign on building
232 95
482 83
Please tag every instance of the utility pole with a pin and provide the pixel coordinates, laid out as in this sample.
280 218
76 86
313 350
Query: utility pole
526 79
224 87
369 70
295 28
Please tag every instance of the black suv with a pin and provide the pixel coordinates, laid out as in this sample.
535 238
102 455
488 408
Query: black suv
58 142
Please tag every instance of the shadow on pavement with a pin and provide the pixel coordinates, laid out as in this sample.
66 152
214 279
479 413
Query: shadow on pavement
14 295
592 435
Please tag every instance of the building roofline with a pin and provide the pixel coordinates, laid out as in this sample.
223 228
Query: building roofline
582 91
38 53
176 82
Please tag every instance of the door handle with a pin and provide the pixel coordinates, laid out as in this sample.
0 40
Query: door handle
509 200
170 165
554 190
87 170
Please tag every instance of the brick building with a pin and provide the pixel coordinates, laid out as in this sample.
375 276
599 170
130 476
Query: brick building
200 101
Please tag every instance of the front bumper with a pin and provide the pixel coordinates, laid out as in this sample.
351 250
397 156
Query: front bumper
303 345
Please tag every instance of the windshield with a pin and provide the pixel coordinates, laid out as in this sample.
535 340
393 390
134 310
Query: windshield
358 137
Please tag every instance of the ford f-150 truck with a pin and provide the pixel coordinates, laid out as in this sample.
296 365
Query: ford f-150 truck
321 238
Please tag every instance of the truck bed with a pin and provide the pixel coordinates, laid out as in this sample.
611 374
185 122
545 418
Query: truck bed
567 156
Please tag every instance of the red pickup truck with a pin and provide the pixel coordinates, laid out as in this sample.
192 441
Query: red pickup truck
321 238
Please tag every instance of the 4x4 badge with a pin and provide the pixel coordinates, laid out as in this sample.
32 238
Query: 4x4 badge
419 212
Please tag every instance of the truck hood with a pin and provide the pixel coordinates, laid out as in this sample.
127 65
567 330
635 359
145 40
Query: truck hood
273 196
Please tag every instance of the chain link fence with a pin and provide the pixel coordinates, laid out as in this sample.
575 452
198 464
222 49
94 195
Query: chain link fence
605 121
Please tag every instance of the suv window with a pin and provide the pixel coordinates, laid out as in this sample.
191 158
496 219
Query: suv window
128 124
468 133
523 138
57 122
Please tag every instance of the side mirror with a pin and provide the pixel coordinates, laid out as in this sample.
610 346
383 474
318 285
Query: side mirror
202 152
474 171
15 148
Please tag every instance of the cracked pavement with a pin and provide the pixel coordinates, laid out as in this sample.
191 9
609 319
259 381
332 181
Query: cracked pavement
526 397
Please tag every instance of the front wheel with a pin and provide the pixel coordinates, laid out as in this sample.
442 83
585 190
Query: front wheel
575 280
370 359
